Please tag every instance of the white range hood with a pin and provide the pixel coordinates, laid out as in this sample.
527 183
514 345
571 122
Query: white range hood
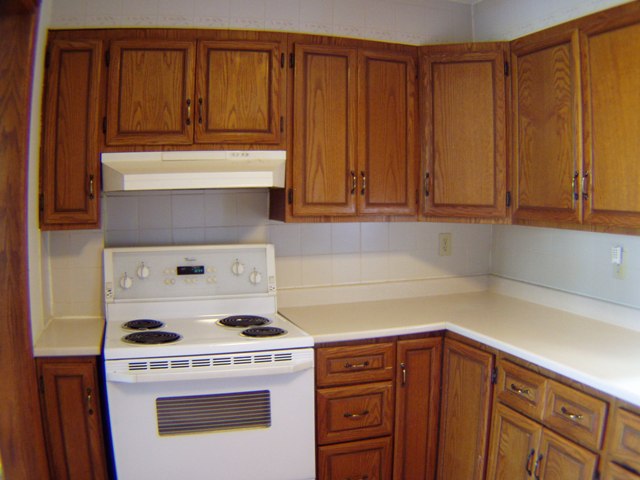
192 170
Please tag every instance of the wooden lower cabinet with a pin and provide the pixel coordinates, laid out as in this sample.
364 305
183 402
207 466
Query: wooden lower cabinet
611 471
71 414
367 459
465 411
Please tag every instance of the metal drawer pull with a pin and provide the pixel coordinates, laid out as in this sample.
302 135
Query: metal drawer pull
574 184
354 182
200 111
188 111
520 390
585 192
356 415
536 472
572 416
403 368
91 188
364 183
89 399
426 184
357 365
529 465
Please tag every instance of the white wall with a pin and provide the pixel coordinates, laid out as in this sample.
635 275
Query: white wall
577 262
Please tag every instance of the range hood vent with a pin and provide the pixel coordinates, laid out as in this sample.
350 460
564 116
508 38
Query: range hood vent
192 170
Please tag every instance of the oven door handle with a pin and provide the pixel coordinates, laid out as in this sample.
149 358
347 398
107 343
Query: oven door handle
179 375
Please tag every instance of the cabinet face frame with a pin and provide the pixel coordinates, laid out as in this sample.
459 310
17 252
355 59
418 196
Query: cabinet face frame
562 46
439 148
70 165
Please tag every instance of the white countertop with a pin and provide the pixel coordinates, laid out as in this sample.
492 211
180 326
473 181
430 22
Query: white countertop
70 337
598 354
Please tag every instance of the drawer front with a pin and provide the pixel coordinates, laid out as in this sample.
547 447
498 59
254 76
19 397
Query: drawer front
366 459
353 413
521 389
354 364
612 471
625 440
574 414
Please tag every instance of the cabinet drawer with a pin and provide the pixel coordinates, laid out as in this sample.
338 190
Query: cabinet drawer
611 471
575 414
352 413
370 459
625 439
521 389
354 364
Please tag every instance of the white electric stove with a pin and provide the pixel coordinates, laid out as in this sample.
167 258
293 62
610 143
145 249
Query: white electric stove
201 370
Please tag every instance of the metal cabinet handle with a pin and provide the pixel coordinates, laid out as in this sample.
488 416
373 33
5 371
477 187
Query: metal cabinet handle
89 400
519 390
188 111
585 193
364 183
426 184
200 111
354 182
574 184
364 364
529 465
573 416
403 369
92 193
536 472
354 416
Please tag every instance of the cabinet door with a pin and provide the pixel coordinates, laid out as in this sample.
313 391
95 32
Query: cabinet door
70 165
417 406
514 440
465 411
560 459
239 86
150 92
387 133
546 128
324 144
611 471
611 76
367 459
464 114
71 404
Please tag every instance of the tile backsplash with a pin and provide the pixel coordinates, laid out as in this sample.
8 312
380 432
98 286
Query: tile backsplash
306 254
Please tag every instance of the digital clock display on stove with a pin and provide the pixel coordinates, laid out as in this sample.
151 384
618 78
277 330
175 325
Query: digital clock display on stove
191 270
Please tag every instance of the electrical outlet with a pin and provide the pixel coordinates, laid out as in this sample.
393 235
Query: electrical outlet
444 242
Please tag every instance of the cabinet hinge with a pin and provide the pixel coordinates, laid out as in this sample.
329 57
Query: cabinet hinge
506 69
282 57
508 200
47 59
104 125
292 60
107 57
494 376
290 196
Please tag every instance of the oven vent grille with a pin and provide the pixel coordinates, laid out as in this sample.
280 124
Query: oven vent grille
210 361
211 413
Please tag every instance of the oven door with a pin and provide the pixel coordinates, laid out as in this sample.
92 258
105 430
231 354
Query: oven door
229 417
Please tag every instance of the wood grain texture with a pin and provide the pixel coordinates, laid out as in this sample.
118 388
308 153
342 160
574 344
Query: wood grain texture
521 389
150 98
417 408
70 164
464 411
387 137
21 439
611 471
366 459
624 438
345 365
547 119
71 407
560 459
464 131
514 442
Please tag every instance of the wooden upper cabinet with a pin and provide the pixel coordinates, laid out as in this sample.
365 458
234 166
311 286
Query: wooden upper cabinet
150 97
387 150
546 127
611 84
70 171
238 87
464 130
324 143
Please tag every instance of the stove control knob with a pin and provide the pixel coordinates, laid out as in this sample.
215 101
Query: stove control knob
126 282
255 277
237 268
143 271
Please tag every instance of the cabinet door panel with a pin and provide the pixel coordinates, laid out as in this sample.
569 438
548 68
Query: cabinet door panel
238 98
611 71
70 180
547 129
465 411
514 439
367 459
387 136
150 97
324 148
465 133
417 402
560 459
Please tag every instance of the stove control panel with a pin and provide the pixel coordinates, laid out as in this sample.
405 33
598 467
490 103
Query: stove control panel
141 273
